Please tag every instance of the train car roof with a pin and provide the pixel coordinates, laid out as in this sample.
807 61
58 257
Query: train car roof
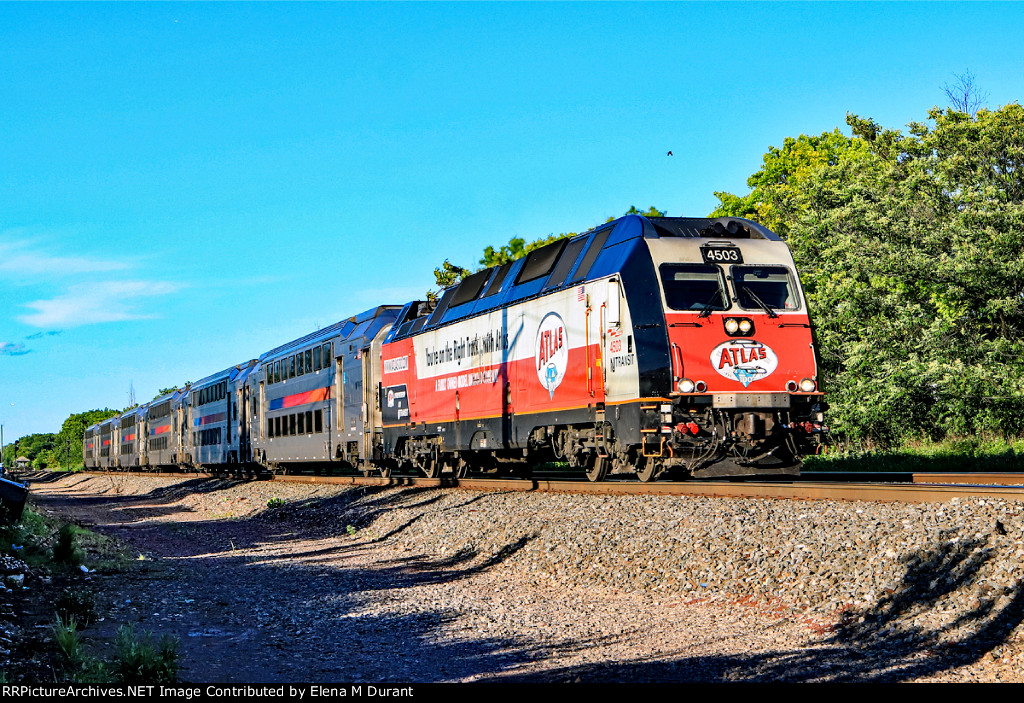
365 324
564 263
230 373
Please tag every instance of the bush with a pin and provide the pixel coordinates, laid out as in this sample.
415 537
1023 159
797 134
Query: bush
138 660
77 605
66 549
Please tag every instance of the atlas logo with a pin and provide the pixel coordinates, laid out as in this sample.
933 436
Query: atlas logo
552 354
744 360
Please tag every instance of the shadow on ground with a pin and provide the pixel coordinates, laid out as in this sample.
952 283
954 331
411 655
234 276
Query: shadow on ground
244 615
887 642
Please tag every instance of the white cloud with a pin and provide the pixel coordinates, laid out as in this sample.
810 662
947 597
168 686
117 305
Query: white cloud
13 349
21 259
89 303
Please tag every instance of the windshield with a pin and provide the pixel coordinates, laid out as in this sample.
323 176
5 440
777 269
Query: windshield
772 285
693 287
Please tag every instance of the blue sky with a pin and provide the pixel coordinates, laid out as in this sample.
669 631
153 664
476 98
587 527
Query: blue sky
184 186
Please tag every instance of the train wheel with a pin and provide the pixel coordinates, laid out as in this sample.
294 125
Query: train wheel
647 469
432 467
597 468
460 469
385 470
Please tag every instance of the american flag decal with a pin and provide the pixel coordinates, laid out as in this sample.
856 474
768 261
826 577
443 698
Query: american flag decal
580 295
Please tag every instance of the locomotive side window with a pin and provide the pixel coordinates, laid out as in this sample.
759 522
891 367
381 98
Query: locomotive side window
591 256
539 262
565 262
772 285
495 285
470 288
694 287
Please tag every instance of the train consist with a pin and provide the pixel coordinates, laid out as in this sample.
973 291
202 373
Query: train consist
650 346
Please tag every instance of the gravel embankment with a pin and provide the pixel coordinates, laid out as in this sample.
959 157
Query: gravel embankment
534 586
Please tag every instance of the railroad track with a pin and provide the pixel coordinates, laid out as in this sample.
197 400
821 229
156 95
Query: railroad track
912 488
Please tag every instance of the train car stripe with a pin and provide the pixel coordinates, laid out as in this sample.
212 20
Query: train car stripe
163 429
290 401
210 419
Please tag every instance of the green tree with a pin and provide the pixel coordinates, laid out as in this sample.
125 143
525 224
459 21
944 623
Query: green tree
777 189
911 249
68 442
37 448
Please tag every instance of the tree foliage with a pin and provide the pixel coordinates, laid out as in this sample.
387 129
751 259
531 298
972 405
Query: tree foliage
911 248
68 444
37 448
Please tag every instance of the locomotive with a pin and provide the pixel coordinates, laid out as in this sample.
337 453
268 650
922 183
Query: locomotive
654 346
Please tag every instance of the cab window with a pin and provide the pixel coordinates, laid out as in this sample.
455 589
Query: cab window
772 285
694 287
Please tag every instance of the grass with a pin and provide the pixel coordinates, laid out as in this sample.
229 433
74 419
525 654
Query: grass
27 539
141 660
954 454
137 658
78 605
65 633
59 549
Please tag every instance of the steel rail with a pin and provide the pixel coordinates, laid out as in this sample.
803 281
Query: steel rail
939 488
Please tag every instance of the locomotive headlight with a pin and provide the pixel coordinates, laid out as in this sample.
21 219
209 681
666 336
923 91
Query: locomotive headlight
807 385
738 326
686 386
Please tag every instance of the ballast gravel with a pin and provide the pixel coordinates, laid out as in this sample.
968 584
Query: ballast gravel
272 581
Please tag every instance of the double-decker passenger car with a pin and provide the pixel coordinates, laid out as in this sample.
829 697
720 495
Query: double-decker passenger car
217 436
163 420
316 395
651 346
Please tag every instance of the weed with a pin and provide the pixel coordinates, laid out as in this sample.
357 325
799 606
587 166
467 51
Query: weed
139 660
26 538
275 503
116 483
66 549
351 530
78 605
65 632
